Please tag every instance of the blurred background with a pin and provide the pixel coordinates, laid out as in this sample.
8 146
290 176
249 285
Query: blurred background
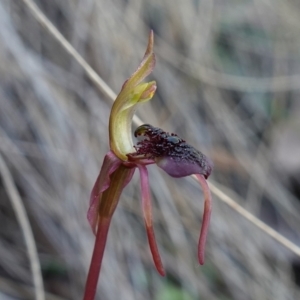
228 76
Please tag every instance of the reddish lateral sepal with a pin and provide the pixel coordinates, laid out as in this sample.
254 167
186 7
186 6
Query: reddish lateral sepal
205 219
147 212
110 163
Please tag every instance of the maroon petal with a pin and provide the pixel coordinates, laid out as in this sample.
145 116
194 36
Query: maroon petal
205 219
147 211
110 163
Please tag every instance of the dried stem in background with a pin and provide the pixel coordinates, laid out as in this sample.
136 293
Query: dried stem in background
25 227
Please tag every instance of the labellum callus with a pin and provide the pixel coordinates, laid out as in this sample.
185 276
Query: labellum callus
170 152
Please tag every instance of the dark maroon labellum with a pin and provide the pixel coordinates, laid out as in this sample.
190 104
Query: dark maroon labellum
170 152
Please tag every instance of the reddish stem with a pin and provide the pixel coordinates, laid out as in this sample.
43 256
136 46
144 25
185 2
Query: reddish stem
95 266
205 219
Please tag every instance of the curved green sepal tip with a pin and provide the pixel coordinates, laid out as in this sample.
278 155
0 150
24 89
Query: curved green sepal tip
133 92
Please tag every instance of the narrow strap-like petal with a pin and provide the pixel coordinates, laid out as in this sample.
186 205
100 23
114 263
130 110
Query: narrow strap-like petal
205 219
147 211
110 163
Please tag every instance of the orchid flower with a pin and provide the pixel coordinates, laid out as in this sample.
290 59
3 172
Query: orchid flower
167 151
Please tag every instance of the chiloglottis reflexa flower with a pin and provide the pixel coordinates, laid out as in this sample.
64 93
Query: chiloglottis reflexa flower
167 151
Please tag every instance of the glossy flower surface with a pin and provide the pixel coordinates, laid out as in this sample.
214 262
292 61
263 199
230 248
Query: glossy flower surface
168 151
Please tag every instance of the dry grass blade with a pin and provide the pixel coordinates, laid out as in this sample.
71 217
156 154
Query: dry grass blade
68 47
250 217
42 19
100 83
22 217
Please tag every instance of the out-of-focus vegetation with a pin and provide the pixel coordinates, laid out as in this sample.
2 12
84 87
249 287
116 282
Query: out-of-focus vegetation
228 75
